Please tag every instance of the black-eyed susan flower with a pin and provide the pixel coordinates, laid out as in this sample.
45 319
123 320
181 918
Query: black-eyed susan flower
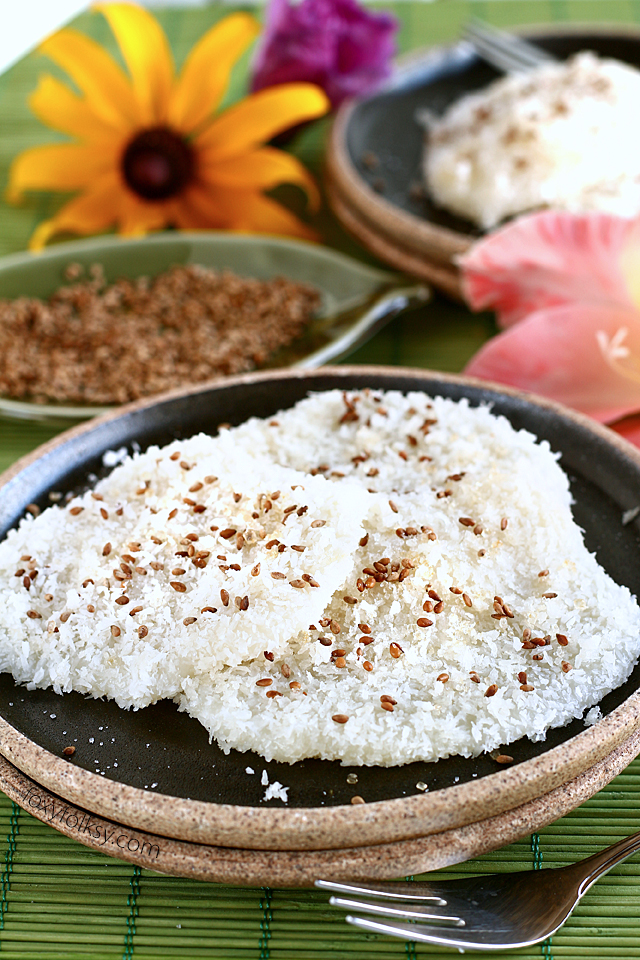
147 152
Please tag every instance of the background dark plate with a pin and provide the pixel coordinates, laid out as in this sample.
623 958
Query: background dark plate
385 125
161 749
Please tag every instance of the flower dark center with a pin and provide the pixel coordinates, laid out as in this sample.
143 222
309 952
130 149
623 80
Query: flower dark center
158 163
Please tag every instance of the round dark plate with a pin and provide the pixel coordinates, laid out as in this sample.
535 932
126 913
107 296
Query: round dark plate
376 150
161 750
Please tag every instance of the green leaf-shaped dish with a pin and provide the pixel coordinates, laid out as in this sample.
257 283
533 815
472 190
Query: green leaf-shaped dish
356 299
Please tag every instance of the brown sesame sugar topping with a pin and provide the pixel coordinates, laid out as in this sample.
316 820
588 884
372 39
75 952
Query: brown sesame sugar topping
491 690
339 718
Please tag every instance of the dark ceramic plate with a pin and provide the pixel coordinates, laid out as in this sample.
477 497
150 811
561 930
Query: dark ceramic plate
161 749
385 127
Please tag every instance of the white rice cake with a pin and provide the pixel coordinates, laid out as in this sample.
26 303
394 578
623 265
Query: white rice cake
503 624
562 136
183 560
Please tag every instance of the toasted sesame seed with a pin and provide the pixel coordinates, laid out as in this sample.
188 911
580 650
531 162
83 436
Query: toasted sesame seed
224 596
173 513
178 572
340 662
387 706
318 523
503 758
298 584
265 682
527 687
294 685
439 607
467 600
562 640
491 691
549 596
526 633
298 547
271 694
395 650
334 626
474 676
522 677
285 670
143 631
349 599
566 666
455 590
368 666
481 553
135 610
339 718
393 506
364 628
196 486
364 541
34 615
64 617
504 523
74 511
209 610
189 620
467 522
178 586
156 566
543 573
423 622
442 677
538 656
228 532
325 641
121 600
69 751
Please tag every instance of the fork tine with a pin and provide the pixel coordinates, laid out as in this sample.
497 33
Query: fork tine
387 891
456 937
508 52
423 914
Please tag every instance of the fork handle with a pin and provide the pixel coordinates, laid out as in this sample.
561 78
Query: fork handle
600 863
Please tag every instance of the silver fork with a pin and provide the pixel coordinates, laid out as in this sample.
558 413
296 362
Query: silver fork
480 913
503 50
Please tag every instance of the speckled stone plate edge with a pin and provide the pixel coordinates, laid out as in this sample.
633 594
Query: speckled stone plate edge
301 868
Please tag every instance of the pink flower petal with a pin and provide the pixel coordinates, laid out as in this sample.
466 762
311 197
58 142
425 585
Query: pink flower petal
547 259
555 352
629 428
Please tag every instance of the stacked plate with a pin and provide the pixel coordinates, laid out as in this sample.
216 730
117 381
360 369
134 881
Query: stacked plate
375 153
149 787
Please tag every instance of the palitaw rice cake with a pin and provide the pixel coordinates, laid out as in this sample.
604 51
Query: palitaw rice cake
562 135
403 579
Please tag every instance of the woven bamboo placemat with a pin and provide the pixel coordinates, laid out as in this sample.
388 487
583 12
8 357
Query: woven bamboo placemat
59 900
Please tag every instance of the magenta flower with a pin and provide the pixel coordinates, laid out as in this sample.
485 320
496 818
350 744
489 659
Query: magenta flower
335 44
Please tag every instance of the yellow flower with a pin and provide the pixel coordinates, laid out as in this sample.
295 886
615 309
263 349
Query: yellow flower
147 152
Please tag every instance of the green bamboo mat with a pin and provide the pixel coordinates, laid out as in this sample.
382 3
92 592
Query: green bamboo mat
61 901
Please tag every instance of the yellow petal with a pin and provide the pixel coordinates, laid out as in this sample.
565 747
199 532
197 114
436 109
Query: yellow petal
58 107
136 217
147 55
258 170
205 74
60 166
262 115
246 210
91 212
96 73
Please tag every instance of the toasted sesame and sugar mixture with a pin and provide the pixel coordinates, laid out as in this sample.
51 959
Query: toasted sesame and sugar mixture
374 578
98 343
171 571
